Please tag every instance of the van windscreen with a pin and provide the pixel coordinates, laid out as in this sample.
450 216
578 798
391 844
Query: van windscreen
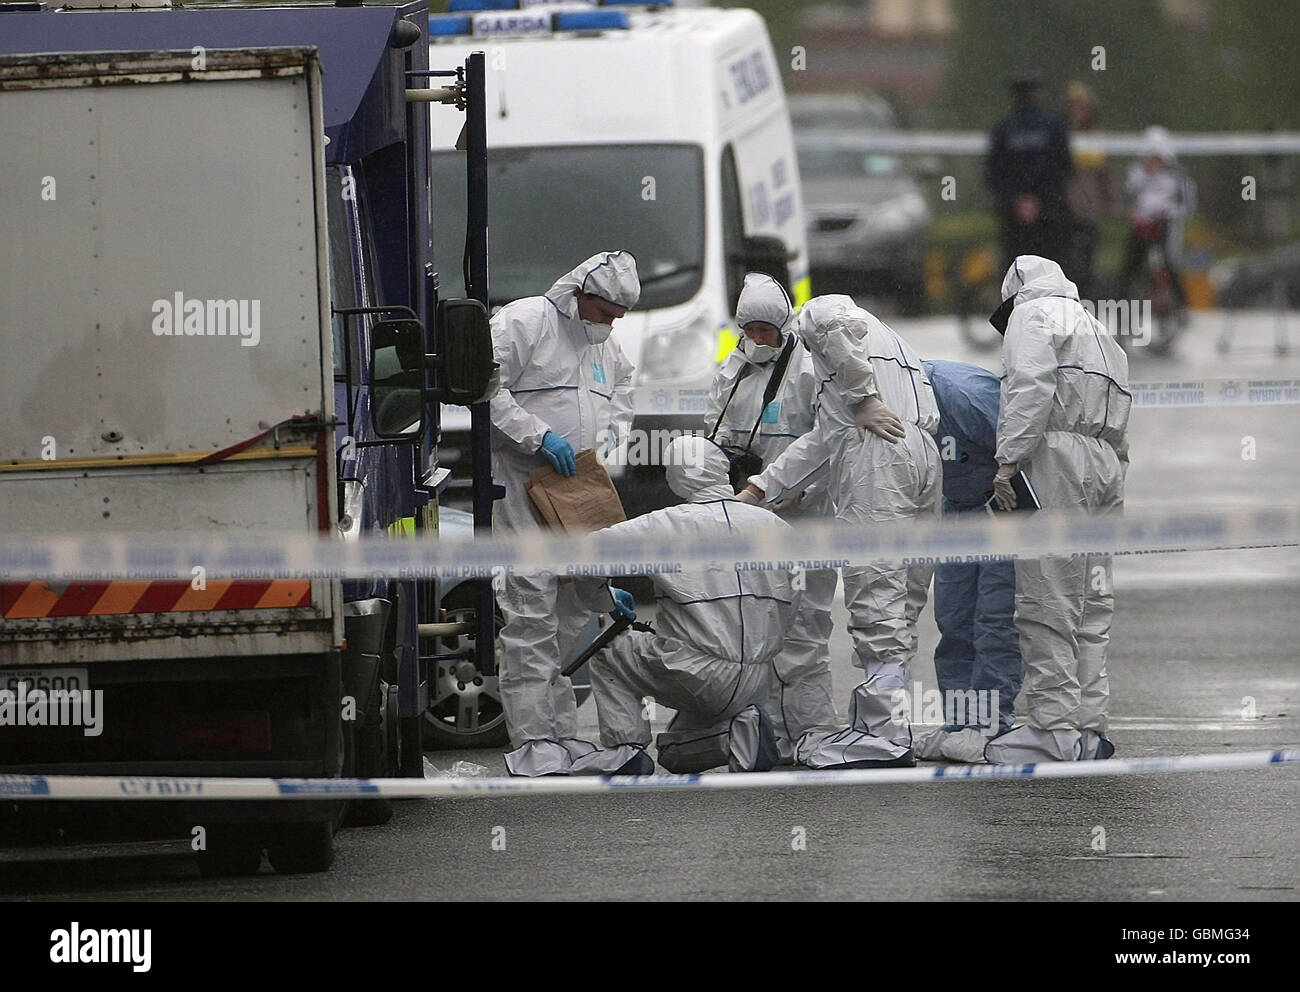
550 208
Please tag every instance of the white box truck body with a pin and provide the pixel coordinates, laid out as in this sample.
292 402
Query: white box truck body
166 332
159 311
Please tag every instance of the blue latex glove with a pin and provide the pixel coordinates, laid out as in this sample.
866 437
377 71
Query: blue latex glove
559 453
624 604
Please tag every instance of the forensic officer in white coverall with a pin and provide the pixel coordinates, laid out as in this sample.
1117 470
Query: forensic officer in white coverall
565 386
882 469
770 360
1063 423
717 629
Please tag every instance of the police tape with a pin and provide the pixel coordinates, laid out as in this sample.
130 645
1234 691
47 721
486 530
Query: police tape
1174 393
810 545
147 788
1216 392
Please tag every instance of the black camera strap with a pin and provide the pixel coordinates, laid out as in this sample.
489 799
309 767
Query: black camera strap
744 371
774 382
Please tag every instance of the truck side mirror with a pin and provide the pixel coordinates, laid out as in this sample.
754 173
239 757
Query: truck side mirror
767 254
397 378
467 370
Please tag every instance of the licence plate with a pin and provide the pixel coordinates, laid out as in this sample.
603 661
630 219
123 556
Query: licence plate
44 678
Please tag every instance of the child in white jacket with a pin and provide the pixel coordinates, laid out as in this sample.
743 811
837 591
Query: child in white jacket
1162 197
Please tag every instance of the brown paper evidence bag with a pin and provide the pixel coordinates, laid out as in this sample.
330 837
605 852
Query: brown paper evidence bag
577 504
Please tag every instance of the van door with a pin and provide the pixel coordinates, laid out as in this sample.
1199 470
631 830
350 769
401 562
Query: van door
760 196
733 228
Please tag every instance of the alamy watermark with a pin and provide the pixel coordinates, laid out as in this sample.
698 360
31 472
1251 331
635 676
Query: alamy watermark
639 447
53 708
953 707
91 946
179 317
1123 318
1119 318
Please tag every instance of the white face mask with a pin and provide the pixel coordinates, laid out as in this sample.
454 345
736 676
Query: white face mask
598 333
760 354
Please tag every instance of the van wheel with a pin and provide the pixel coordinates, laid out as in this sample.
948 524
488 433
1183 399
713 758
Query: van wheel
301 848
464 710
232 850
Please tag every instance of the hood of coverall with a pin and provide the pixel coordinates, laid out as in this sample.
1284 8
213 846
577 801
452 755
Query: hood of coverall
696 469
818 315
834 327
1033 278
611 275
762 298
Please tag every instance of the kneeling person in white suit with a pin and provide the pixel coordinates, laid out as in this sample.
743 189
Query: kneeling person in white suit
717 631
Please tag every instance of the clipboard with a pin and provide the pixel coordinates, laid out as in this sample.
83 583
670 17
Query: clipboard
1026 497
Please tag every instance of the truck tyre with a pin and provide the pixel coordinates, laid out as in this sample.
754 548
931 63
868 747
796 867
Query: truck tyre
368 762
368 813
232 850
391 728
301 848
366 759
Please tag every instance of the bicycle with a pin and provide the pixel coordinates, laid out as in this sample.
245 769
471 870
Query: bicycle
1155 282
977 292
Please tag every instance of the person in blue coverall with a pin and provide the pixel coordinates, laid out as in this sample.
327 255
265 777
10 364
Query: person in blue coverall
974 604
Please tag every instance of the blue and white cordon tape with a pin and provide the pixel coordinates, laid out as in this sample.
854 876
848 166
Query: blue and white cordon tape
1216 392
148 788
827 544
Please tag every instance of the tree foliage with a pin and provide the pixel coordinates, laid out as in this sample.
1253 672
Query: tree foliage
1235 71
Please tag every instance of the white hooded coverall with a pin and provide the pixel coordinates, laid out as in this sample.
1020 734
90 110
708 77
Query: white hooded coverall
802 698
1063 421
871 483
553 378
717 629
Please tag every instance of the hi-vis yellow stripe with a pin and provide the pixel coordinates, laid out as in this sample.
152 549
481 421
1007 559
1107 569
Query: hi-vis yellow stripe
727 339
727 336
802 291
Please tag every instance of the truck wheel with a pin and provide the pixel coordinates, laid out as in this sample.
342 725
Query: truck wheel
464 710
391 722
367 762
301 848
232 850
368 813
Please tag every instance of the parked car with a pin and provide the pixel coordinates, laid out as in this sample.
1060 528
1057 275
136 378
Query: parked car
867 217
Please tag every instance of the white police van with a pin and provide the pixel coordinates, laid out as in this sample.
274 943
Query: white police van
657 129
